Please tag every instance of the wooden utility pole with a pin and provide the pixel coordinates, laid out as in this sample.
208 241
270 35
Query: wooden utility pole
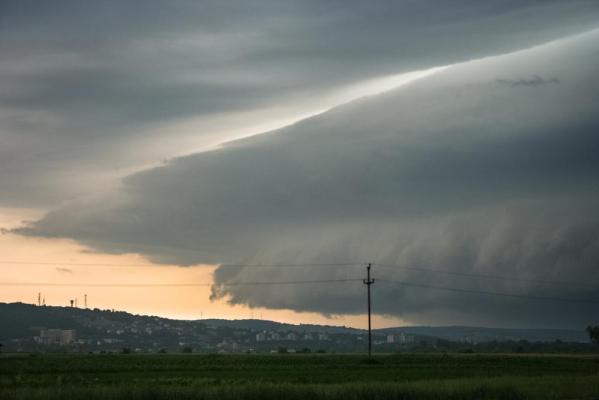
369 282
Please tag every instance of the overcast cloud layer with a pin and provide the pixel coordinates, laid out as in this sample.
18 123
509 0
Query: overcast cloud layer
91 90
487 167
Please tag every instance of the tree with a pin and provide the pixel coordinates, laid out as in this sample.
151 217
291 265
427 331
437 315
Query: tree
593 332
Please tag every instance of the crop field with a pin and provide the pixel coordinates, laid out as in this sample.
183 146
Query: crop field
313 377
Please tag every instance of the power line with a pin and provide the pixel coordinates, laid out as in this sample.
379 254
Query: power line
285 265
290 265
484 276
291 282
484 292
75 264
320 281
84 284
301 282
193 284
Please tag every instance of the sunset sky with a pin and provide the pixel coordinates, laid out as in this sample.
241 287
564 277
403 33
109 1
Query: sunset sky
265 151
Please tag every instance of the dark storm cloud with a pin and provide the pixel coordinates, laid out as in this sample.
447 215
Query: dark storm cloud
517 242
80 91
80 80
453 172
534 81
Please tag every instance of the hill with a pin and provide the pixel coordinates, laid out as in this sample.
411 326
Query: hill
259 325
24 321
482 334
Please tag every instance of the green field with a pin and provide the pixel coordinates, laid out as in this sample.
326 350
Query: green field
297 376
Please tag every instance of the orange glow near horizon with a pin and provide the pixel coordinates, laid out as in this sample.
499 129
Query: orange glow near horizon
56 258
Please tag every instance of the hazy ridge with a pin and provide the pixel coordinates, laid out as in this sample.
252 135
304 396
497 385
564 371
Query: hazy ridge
20 320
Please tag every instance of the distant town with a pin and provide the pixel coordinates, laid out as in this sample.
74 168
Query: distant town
30 328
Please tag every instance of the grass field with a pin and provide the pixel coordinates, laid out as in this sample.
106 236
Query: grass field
310 377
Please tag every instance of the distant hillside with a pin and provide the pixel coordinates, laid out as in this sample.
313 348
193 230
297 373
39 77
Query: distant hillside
19 320
30 328
260 325
481 334
23 320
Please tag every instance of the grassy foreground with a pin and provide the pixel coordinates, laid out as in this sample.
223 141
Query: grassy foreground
299 377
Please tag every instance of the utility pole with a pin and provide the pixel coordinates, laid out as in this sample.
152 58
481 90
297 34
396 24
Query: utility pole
85 300
369 282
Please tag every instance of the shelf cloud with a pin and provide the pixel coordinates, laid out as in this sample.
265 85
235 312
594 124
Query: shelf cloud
487 167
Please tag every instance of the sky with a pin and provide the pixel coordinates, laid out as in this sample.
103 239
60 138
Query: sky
209 143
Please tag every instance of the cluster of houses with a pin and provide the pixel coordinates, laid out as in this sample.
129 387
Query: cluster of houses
400 338
266 336
60 337
65 337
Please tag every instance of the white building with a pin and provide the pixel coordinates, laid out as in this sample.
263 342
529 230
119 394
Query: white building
56 336
400 338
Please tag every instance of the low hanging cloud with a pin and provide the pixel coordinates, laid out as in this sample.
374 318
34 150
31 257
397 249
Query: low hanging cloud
91 90
452 172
